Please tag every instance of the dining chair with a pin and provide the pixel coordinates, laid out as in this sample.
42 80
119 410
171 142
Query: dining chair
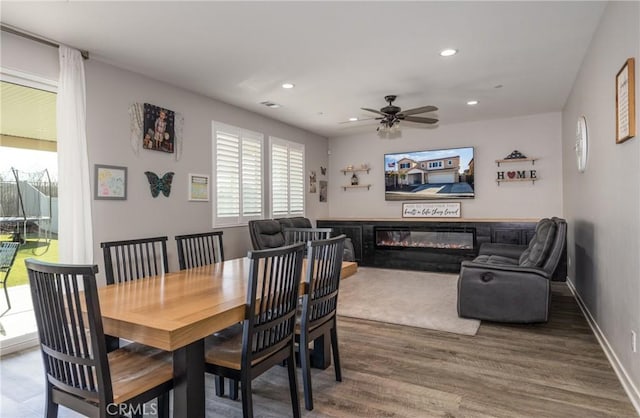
79 372
319 305
8 252
265 338
197 250
293 235
134 259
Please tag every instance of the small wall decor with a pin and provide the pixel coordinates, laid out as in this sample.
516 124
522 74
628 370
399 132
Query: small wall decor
160 184
143 118
312 182
110 182
323 171
198 187
626 102
431 210
323 190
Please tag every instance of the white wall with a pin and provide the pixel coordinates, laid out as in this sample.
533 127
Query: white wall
536 136
20 54
602 205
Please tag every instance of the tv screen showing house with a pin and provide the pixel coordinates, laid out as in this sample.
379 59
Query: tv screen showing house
428 175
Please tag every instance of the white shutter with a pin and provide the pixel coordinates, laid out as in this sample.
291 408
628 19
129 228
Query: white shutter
296 181
251 176
237 156
287 178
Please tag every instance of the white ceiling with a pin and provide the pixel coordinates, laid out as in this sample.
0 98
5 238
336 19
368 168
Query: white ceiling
341 55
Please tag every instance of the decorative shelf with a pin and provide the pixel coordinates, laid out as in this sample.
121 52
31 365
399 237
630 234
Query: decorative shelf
517 160
510 180
355 170
357 186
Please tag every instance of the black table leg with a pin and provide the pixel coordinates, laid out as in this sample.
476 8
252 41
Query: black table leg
321 353
188 374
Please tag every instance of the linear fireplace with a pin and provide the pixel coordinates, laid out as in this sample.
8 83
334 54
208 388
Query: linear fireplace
432 239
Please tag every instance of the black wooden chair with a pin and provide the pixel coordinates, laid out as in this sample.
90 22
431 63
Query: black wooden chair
294 235
197 250
134 259
319 304
79 373
266 336
8 252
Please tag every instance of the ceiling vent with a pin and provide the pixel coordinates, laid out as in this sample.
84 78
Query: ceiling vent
270 104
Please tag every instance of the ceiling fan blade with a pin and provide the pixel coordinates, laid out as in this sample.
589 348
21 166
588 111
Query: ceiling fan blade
419 119
373 110
423 109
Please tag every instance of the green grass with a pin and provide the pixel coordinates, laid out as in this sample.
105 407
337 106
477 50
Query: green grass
32 248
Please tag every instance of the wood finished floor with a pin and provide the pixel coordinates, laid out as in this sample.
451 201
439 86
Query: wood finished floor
550 370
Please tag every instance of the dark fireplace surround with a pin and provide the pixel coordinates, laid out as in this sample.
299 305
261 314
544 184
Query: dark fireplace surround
431 245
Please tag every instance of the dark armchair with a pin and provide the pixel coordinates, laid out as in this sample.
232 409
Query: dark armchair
510 283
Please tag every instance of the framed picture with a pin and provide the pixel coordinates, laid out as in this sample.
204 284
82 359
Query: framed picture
158 129
431 210
110 182
626 102
198 187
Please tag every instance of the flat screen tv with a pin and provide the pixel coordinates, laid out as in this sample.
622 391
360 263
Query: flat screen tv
429 175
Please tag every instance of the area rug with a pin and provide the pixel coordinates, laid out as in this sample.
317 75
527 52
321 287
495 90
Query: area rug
413 298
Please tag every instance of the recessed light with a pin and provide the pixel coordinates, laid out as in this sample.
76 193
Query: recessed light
498 86
288 85
472 102
353 119
448 52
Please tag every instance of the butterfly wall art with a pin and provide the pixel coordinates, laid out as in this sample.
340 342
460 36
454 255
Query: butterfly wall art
160 184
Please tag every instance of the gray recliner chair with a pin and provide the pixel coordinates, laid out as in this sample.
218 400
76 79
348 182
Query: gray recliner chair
512 283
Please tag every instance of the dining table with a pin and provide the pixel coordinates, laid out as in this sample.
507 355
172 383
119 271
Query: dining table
176 311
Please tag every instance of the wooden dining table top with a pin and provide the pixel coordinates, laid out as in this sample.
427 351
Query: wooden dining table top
172 310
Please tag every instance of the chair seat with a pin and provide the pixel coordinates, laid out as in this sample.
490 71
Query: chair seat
224 348
137 368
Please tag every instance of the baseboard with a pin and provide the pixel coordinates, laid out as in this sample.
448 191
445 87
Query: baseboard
18 344
631 390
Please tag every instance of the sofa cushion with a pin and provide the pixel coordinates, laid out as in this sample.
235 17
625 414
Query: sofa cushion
539 247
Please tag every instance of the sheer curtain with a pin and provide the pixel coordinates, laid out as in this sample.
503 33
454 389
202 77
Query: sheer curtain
75 229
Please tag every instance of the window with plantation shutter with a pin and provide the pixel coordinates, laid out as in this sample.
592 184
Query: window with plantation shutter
237 174
287 178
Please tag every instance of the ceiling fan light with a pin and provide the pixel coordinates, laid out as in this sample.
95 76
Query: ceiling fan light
353 119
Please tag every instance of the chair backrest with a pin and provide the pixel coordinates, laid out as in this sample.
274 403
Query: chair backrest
272 299
266 233
295 222
72 343
134 259
558 247
8 252
293 235
324 265
540 245
197 250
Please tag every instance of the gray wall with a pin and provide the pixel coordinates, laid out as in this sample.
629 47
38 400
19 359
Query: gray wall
110 91
536 136
602 205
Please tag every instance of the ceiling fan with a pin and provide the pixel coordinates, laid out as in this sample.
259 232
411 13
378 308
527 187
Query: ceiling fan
390 116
